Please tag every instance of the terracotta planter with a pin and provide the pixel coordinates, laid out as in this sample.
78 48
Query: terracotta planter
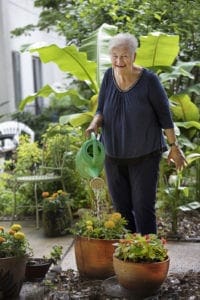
36 269
143 279
12 272
94 257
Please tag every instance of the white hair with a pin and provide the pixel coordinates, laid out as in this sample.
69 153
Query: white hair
123 39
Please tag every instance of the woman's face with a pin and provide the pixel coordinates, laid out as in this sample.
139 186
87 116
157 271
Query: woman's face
122 59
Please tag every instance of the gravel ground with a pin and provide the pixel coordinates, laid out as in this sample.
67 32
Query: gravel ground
68 285
176 287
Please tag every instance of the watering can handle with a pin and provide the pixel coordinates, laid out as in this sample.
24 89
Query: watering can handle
93 136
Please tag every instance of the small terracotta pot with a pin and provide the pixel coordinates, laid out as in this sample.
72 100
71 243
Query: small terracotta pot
143 279
94 257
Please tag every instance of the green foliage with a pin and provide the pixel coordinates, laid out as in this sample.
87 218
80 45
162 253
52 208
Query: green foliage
60 144
55 202
56 218
138 248
56 253
75 19
28 155
106 226
13 242
6 194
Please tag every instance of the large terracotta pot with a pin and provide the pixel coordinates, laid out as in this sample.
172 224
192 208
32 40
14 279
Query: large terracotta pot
143 279
94 257
12 272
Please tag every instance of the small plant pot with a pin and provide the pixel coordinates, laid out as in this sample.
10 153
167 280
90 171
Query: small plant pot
36 269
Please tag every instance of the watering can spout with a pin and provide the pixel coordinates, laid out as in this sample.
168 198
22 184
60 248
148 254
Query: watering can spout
90 158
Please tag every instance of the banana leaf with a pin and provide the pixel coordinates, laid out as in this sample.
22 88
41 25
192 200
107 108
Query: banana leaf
157 49
48 90
96 46
70 60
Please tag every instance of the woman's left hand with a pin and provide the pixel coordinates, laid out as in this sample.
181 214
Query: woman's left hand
176 155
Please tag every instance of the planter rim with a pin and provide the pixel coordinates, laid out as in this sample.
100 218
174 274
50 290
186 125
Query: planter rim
144 262
14 257
92 238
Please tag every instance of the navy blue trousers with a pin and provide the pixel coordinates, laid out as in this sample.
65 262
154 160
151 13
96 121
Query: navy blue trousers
132 186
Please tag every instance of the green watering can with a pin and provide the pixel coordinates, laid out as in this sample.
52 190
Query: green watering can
90 158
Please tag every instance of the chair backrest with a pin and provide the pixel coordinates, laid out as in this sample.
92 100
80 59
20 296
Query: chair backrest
16 128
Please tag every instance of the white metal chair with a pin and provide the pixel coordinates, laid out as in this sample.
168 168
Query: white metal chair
11 131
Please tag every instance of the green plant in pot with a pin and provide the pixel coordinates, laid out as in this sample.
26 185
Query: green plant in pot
14 252
141 263
56 218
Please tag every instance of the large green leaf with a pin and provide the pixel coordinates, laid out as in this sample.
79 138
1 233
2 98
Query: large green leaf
48 90
192 157
181 68
188 125
70 60
157 49
96 46
183 108
76 119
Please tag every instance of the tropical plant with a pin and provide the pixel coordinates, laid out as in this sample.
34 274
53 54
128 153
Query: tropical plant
138 248
174 193
13 242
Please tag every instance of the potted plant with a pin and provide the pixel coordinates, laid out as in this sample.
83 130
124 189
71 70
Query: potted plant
14 252
36 268
94 239
141 263
56 219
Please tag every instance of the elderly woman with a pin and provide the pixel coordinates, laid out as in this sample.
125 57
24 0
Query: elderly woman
133 108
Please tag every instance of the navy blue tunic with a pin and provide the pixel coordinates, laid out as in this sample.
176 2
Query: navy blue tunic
133 119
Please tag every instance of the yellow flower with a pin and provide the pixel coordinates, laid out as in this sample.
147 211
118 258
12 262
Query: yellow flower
109 224
55 195
16 227
115 216
45 194
2 239
2 228
60 191
11 232
90 228
89 223
19 235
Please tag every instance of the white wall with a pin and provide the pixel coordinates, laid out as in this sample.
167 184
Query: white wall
18 13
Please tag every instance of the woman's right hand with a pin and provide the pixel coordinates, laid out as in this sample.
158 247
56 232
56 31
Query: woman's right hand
91 128
94 125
